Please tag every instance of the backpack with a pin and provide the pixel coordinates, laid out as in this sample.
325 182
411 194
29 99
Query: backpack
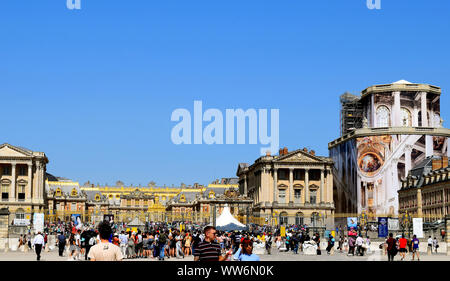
92 241
162 239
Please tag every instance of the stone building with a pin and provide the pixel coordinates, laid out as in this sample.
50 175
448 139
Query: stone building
401 126
22 182
290 188
425 192
199 203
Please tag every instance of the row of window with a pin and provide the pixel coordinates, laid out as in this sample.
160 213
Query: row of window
298 195
20 192
22 170
384 117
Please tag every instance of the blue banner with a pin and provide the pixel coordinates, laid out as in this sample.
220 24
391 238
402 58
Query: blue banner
383 227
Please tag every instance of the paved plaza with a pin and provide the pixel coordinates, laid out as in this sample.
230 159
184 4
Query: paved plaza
375 255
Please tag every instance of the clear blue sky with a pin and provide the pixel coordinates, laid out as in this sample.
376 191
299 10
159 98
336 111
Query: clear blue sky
95 88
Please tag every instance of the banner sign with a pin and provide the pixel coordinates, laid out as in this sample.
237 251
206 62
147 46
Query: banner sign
76 219
418 227
21 222
352 222
108 218
283 231
393 224
38 222
383 227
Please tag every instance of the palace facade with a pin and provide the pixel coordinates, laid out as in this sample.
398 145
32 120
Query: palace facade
290 188
386 132
425 192
22 182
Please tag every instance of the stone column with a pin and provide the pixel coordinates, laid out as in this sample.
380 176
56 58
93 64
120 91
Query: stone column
321 185
291 185
12 190
396 122
423 108
428 145
330 185
366 195
419 203
275 180
30 182
415 117
245 185
359 204
372 111
307 185
408 150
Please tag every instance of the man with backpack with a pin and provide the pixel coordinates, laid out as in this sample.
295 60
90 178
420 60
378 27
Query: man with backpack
162 240
91 241
61 243
269 243
330 244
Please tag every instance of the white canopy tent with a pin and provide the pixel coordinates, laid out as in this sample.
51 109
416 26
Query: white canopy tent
227 222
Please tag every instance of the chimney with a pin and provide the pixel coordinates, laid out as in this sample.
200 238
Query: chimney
445 162
436 164
312 152
280 152
305 149
268 153
285 151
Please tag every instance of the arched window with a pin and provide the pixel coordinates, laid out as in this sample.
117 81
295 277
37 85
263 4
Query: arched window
315 219
58 192
406 119
299 218
20 214
383 116
74 192
283 218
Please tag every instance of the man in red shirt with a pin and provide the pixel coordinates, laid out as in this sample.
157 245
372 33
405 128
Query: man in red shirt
402 243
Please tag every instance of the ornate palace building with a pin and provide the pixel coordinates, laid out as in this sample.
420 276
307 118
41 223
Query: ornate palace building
425 192
202 204
290 188
22 182
387 131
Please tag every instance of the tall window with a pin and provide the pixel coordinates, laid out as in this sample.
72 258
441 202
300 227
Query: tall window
406 117
23 170
313 196
383 116
6 171
282 195
283 218
297 194
21 192
299 220
20 214
5 192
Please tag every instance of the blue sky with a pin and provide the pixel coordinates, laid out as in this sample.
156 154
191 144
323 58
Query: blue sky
95 88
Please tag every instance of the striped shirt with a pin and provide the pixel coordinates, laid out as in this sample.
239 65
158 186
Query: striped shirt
208 251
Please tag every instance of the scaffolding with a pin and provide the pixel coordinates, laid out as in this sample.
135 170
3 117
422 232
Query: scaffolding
351 114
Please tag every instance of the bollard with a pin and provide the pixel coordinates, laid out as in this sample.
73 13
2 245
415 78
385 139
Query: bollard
6 247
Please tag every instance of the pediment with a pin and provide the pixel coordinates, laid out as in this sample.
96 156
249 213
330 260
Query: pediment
299 156
7 150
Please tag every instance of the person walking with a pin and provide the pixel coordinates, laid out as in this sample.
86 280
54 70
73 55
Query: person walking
330 244
268 245
123 243
435 245
391 247
105 251
359 246
402 243
415 247
61 244
430 245
38 243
